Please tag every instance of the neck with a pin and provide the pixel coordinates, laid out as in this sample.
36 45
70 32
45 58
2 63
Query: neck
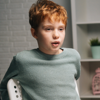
54 53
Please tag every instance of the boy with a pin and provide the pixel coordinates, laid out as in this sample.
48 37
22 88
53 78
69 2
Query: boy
48 72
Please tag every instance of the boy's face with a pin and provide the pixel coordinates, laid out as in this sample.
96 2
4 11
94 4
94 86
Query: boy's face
50 36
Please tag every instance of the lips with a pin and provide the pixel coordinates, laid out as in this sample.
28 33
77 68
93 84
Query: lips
56 43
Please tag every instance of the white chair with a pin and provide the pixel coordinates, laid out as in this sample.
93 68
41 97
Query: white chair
76 88
14 90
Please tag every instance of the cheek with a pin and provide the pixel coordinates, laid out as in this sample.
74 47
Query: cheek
63 36
43 39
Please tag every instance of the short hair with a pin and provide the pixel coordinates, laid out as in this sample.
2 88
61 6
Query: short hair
46 9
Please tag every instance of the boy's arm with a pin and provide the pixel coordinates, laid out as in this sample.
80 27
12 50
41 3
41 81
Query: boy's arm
11 72
76 88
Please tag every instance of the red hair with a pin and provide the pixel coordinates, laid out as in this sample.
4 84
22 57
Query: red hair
46 9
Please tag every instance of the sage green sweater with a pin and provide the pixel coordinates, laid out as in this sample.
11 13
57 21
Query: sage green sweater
43 76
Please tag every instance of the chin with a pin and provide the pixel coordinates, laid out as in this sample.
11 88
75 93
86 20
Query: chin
56 51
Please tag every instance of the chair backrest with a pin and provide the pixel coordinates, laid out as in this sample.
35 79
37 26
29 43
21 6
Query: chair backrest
14 90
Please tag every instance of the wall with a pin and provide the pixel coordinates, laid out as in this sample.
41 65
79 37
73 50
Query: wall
15 33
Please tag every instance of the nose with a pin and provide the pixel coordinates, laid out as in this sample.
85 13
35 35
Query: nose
55 35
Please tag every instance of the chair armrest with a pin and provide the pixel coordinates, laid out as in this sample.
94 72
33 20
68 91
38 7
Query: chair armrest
14 90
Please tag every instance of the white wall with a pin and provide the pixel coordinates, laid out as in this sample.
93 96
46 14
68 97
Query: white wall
15 33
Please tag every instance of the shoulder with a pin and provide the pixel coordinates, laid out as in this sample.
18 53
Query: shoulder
26 54
72 52
23 53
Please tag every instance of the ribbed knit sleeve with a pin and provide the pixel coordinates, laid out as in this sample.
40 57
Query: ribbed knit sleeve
11 72
78 65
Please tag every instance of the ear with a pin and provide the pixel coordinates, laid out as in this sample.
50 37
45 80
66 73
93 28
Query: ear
33 32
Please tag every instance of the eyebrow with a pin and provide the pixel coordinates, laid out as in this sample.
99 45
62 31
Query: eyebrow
62 26
53 26
47 26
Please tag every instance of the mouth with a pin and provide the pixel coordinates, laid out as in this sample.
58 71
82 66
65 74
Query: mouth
55 44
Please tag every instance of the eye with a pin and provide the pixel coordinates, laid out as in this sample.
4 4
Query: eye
48 29
61 29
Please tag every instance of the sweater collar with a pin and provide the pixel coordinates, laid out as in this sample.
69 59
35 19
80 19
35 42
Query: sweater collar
48 57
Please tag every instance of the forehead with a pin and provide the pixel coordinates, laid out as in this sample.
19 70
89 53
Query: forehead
52 21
